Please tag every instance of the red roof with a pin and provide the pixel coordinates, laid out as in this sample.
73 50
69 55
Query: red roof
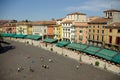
44 23
113 25
68 21
80 24
100 20
112 10
77 13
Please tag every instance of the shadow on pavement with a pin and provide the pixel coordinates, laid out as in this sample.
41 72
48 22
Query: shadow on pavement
4 42
6 48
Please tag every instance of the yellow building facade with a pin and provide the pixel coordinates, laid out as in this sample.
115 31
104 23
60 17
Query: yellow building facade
58 32
24 28
112 36
96 31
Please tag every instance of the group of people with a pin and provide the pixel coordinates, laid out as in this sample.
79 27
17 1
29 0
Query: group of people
19 69
45 66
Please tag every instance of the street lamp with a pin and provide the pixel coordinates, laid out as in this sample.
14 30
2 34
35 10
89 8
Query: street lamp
80 57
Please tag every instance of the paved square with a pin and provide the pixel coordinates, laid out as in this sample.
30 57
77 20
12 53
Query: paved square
61 68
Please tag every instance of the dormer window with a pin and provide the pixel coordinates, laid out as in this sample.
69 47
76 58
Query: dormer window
110 14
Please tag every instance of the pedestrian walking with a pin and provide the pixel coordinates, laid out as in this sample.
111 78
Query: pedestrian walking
45 66
31 70
50 60
42 59
77 66
81 63
19 69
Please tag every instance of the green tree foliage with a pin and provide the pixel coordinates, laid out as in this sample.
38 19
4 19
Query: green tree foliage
97 63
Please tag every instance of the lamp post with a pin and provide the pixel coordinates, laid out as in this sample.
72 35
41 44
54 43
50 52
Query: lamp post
105 67
80 57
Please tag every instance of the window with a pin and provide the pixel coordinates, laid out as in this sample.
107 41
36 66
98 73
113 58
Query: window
68 29
80 37
81 31
102 31
93 26
93 37
97 37
89 36
89 30
102 26
69 35
93 30
98 31
118 30
72 31
44 30
72 36
110 30
118 40
102 38
110 14
110 39
98 26
106 14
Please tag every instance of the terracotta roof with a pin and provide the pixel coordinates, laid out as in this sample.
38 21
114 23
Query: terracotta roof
93 17
9 25
44 23
77 13
68 21
113 25
80 24
23 23
55 25
112 10
100 20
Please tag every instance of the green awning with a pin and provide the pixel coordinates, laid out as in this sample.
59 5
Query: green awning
105 53
7 35
104 56
19 36
50 40
116 58
91 50
77 46
35 37
62 43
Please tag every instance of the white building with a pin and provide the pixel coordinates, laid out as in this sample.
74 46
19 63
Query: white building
113 14
76 16
40 27
67 25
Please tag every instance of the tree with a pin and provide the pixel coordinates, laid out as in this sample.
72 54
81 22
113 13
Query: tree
21 30
97 63
13 21
26 20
